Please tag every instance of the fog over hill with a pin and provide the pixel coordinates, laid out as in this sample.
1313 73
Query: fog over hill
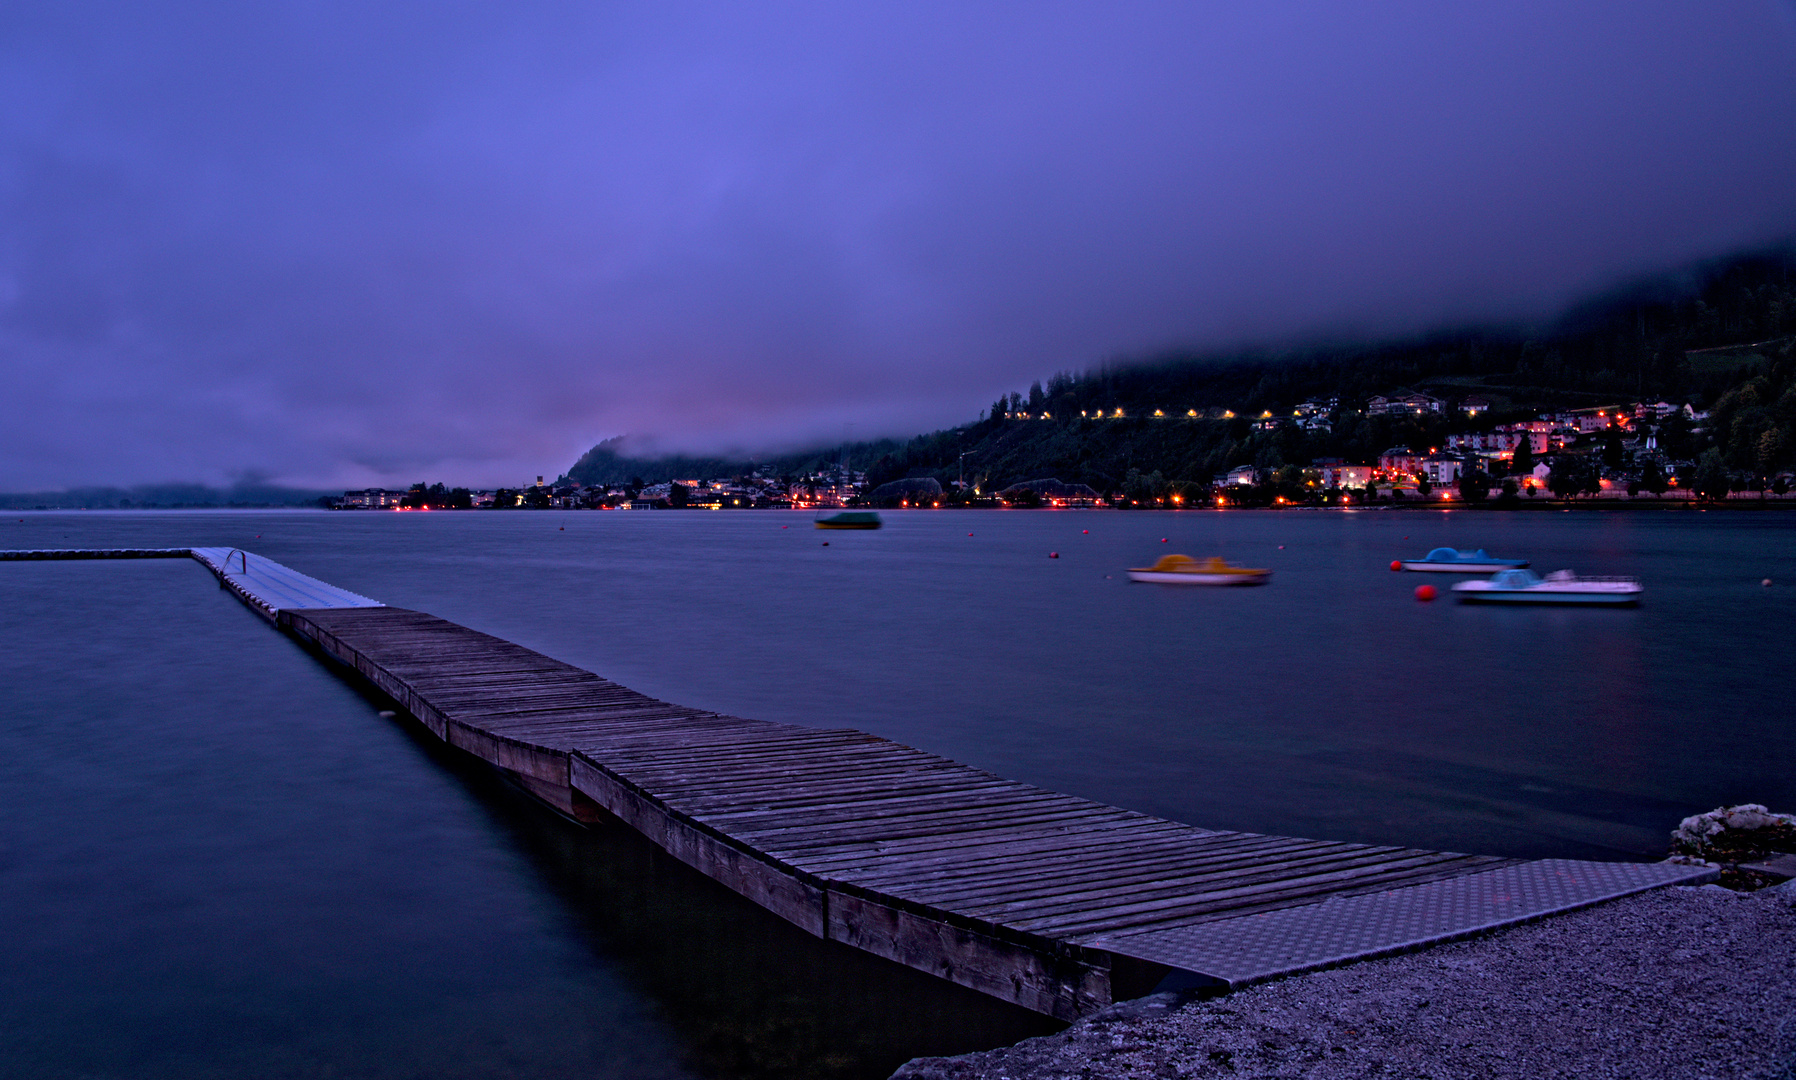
1716 335
337 245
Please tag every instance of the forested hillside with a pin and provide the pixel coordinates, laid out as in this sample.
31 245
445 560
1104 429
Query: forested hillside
1722 338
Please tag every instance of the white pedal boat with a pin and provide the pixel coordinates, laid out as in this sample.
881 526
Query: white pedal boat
1558 587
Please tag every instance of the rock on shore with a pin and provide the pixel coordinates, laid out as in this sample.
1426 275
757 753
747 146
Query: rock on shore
1675 983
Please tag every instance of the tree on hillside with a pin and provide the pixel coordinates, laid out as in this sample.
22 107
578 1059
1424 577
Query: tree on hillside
1612 453
1523 461
1711 481
1569 477
1474 485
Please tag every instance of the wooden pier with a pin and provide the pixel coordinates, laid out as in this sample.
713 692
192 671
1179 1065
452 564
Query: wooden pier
1055 903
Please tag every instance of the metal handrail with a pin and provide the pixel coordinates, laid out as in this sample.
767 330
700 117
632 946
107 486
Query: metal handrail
242 558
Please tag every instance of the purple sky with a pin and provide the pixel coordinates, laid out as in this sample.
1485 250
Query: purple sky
352 243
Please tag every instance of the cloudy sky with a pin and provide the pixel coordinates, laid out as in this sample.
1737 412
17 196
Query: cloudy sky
363 242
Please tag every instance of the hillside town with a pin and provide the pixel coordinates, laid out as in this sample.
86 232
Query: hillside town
754 491
1637 450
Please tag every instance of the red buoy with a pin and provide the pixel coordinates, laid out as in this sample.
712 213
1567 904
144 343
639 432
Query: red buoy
1086 531
1053 554
1396 564
1163 539
826 543
1425 593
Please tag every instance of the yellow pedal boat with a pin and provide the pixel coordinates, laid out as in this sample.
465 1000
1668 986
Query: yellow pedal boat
1184 570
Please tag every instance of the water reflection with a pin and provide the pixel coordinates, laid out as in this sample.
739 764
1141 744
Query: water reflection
750 995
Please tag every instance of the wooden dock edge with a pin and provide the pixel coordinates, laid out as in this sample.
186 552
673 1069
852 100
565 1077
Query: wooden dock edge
1045 976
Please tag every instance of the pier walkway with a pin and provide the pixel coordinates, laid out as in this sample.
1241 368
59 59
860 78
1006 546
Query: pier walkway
1055 903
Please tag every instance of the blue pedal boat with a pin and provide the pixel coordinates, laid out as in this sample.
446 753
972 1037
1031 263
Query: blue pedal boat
1446 560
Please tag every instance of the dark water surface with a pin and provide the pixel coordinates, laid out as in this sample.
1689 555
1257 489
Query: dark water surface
217 861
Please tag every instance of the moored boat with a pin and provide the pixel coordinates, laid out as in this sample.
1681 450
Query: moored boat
850 519
1184 570
1558 587
1444 560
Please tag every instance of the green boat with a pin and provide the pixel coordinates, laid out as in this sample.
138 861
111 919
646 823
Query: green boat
850 519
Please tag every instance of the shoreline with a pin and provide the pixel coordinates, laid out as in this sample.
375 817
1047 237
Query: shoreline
1600 505
1677 982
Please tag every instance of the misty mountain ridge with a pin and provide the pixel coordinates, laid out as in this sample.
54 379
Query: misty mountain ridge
165 497
1695 336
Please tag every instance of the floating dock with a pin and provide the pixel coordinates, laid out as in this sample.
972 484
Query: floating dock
1055 903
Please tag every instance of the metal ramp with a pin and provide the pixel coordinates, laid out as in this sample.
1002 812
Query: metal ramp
270 588
1253 948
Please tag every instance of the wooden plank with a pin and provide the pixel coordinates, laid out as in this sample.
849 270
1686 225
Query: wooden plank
819 788
1060 985
947 852
987 883
787 895
1046 816
1193 883
822 818
1314 888
528 759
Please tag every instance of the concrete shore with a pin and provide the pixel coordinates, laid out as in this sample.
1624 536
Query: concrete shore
1675 983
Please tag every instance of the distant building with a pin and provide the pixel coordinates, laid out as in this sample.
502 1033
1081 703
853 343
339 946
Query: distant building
1472 405
371 499
1441 470
1333 472
1242 476
1502 442
1405 405
1399 462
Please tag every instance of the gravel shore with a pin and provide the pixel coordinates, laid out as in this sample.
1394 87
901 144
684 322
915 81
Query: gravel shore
1674 983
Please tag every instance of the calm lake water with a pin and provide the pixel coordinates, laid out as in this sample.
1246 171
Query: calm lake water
216 860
